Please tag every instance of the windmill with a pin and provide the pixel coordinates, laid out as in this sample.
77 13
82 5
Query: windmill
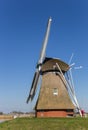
57 96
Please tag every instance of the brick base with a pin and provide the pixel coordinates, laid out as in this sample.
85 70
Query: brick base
53 113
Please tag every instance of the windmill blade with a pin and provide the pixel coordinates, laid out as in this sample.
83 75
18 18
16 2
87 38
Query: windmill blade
33 86
40 62
69 89
71 58
75 98
71 79
42 54
78 67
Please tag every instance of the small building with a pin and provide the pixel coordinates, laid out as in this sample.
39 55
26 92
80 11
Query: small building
54 100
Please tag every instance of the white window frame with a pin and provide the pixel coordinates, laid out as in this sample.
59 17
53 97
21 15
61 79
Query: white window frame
55 91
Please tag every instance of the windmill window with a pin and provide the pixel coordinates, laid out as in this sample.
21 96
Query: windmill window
55 91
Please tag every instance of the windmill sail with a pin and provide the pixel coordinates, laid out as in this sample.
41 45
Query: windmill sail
70 90
38 68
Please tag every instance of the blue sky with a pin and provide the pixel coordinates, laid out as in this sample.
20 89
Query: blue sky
22 29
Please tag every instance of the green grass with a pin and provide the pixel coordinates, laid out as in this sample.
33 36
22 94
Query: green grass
45 124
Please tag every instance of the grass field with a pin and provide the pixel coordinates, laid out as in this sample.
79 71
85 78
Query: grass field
45 124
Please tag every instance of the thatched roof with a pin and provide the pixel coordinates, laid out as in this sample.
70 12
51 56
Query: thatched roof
48 99
50 62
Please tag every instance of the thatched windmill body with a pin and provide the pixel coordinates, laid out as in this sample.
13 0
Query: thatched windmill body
56 97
